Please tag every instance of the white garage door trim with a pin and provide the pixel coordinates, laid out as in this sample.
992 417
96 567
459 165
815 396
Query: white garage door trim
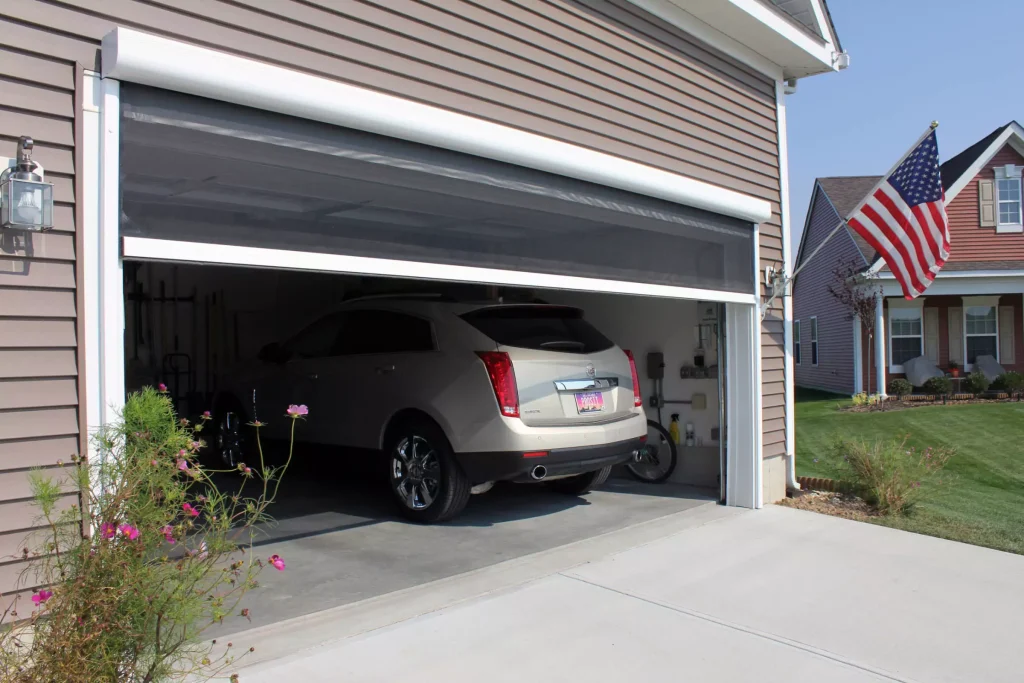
211 74
145 248
137 57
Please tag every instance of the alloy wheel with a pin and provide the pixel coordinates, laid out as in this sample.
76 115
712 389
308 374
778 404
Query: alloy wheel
415 472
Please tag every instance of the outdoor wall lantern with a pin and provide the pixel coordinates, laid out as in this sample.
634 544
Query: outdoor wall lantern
26 202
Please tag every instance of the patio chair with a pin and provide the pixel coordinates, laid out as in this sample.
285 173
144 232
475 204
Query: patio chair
989 366
919 370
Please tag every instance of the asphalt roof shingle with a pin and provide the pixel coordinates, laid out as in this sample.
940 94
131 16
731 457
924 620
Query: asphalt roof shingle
845 193
958 165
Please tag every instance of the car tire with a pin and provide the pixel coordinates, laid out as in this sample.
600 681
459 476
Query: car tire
581 483
428 484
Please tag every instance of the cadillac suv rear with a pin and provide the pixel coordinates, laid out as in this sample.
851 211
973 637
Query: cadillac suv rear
456 395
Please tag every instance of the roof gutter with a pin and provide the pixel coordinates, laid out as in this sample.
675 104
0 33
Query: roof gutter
138 57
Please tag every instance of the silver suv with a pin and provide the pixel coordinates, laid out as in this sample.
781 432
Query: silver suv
457 395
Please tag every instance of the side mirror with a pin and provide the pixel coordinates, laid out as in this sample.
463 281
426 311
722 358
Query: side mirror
273 353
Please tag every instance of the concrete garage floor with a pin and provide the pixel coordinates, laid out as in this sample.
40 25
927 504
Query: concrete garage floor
343 541
776 595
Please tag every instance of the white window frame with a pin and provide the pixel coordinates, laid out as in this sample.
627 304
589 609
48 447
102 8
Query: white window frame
902 305
986 301
815 349
1010 173
797 350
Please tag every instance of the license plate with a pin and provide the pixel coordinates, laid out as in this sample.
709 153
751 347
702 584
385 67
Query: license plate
590 402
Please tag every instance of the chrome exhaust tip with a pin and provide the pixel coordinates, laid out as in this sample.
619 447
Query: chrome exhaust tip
539 472
636 456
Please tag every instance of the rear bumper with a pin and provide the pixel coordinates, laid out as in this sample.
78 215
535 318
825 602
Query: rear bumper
514 466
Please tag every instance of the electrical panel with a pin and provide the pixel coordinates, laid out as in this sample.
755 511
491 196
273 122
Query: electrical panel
655 365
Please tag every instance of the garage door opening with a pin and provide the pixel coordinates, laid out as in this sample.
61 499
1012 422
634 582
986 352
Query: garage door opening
198 328
250 239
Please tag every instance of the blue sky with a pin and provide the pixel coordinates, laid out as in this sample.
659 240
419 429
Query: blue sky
911 62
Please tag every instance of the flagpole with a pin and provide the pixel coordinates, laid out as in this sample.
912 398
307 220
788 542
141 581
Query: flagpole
788 280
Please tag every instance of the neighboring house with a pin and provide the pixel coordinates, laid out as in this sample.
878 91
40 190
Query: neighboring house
668 102
975 306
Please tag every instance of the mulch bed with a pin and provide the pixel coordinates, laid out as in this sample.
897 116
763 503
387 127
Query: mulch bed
917 401
828 503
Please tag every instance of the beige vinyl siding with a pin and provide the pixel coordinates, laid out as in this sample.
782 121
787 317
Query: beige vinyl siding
601 74
39 393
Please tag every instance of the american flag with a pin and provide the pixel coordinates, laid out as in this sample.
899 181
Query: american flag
904 219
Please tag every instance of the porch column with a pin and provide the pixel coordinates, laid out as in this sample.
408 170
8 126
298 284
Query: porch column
858 357
881 362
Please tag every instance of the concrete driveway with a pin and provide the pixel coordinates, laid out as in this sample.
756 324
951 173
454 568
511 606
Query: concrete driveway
708 594
344 543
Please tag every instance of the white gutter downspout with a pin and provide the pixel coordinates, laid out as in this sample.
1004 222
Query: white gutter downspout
787 297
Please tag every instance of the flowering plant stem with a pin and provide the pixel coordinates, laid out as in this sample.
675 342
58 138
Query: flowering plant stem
124 587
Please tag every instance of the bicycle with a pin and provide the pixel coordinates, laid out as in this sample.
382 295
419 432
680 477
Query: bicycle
656 461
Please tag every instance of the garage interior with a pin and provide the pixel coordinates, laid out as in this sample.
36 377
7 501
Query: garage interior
197 174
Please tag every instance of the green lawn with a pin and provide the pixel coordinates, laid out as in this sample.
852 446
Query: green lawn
984 504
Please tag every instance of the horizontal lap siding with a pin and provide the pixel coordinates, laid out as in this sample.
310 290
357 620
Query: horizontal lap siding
39 392
970 242
599 74
834 371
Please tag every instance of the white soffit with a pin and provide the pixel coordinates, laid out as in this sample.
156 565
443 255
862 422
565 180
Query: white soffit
137 57
752 32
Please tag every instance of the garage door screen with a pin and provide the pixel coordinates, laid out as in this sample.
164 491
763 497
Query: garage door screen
203 171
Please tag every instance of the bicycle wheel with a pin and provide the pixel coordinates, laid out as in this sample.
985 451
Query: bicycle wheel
657 459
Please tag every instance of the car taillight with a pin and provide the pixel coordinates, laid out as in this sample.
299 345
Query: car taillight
638 400
503 380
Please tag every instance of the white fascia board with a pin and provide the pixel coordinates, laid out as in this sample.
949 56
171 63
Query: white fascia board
149 249
976 284
130 55
824 25
1013 135
965 274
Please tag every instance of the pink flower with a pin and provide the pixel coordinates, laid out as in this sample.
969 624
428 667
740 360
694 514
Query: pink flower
189 510
206 415
297 411
108 530
247 471
200 554
128 530
168 532
41 597
154 463
196 445
183 465
162 388
277 562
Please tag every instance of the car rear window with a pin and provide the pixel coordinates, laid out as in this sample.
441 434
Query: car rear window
547 328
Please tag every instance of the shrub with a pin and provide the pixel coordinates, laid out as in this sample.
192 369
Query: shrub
861 399
1011 382
900 387
976 382
170 556
938 386
888 474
